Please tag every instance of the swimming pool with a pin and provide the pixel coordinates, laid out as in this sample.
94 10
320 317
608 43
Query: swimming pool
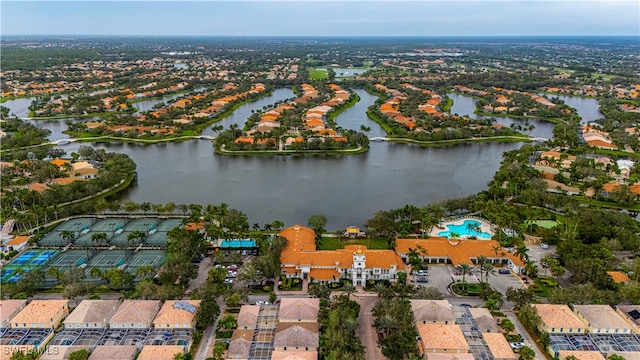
465 230
238 243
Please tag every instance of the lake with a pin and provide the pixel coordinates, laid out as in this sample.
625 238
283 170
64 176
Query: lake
348 190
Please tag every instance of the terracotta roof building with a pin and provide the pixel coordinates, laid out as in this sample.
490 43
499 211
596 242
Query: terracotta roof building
442 356
91 314
559 319
442 338
248 317
240 344
631 314
499 346
355 262
160 352
582 355
9 309
299 309
484 320
41 314
296 336
602 319
432 312
121 352
294 355
177 314
441 250
134 314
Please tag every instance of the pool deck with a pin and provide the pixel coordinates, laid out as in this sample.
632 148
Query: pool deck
485 226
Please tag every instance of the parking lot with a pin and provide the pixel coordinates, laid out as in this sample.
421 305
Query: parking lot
440 276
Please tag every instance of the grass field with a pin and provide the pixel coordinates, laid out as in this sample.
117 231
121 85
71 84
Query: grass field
318 74
547 224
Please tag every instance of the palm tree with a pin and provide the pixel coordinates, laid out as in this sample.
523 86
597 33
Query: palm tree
464 269
489 270
100 238
68 236
349 289
183 208
380 289
387 324
481 261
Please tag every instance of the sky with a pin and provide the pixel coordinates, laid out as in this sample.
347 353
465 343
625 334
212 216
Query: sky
321 18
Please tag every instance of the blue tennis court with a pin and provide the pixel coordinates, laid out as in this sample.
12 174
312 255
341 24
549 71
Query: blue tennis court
17 277
24 258
43 257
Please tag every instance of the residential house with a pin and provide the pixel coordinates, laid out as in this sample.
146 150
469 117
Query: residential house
91 314
432 312
240 345
484 320
248 317
41 314
631 314
297 336
294 355
134 314
177 314
499 347
559 319
443 356
299 310
618 276
582 355
160 352
121 352
60 352
602 319
442 338
9 309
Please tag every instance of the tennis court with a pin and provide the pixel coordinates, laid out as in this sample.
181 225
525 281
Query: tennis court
143 224
153 258
156 239
70 258
24 258
43 257
109 225
76 225
108 259
168 224
53 239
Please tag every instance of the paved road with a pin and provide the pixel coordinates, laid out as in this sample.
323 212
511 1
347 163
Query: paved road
203 273
368 335
528 340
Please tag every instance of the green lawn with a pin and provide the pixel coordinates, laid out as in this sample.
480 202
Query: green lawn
331 243
547 224
318 74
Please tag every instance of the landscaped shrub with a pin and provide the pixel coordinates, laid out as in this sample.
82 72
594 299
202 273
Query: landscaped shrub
266 288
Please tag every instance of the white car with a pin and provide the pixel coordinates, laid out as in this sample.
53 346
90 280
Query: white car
228 281
544 246
262 303
516 345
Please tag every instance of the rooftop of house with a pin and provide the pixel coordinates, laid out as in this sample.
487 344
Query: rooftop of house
92 311
484 319
442 356
432 310
177 311
558 316
160 352
294 309
62 352
297 334
294 355
499 346
104 352
39 311
248 315
582 355
240 344
135 311
631 312
601 317
442 336
8 308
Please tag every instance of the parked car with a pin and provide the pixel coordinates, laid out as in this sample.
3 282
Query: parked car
244 253
422 272
516 345
254 253
504 271
228 281
262 302
422 279
544 246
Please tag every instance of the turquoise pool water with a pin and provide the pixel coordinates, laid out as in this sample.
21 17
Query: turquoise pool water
244 243
464 230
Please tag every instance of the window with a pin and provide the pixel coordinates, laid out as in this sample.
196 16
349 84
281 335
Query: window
86 325
553 330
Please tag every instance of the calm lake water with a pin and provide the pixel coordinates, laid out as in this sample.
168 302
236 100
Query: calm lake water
348 190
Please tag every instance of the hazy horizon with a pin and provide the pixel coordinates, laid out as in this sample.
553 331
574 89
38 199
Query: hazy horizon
322 19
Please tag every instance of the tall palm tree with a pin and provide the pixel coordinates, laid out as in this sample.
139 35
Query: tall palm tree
489 270
481 261
464 269
68 236
349 289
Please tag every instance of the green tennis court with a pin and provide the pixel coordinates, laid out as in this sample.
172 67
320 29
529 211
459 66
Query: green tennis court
546 224
153 258
108 259
70 258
